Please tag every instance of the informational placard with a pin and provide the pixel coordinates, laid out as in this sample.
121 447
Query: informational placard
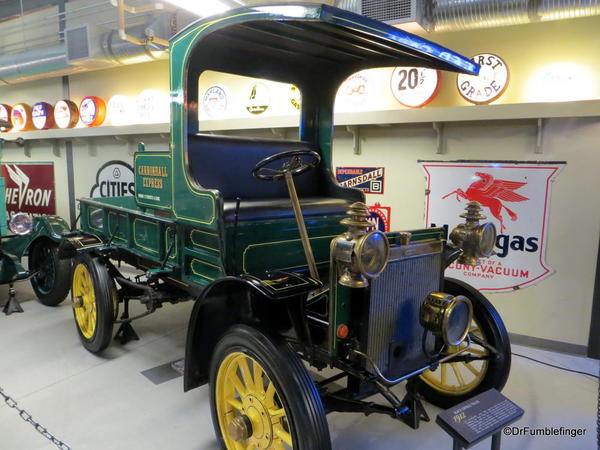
214 102
370 180
29 188
491 82
379 216
415 87
114 179
480 417
259 98
515 197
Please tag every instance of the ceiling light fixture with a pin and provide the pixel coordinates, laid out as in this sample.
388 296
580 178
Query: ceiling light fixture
203 8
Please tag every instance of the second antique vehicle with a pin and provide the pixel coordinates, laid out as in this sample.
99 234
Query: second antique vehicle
38 238
284 267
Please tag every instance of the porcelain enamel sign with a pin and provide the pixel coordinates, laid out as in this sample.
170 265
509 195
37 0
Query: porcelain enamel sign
29 188
415 87
515 197
214 102
491 82
380 217
367 179
114 179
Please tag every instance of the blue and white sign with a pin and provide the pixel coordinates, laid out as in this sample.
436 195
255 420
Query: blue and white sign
367 179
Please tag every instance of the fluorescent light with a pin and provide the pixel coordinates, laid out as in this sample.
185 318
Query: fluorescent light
201 8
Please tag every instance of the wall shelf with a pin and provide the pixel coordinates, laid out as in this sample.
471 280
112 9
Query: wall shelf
89 132
471 113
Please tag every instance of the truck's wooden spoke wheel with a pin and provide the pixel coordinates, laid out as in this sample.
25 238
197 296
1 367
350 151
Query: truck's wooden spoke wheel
459 377
250 410
262 396
84 301
94 302
457 381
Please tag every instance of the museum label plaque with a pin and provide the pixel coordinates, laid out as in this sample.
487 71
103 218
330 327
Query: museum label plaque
478 418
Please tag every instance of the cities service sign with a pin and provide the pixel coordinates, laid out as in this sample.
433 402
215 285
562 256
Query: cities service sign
515 197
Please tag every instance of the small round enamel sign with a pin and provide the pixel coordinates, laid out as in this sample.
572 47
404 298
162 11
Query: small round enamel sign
491 82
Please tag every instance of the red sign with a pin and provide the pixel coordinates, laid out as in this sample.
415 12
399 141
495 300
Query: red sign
29 188
380 217
515 197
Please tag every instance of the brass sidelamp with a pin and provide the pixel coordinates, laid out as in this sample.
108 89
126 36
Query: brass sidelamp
359 254
476 240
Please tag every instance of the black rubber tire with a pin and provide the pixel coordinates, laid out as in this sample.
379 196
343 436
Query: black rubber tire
105 295
52 284
302 402
495 334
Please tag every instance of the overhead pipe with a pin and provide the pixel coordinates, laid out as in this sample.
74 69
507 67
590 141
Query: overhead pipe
150 38
41 62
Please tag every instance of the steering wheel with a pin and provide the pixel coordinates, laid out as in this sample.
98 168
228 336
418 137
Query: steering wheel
295 165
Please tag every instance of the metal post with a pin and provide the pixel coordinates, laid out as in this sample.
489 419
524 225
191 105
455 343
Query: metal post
456 445
310 258
496 441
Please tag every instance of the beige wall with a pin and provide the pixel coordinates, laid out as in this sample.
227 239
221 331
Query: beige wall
559 307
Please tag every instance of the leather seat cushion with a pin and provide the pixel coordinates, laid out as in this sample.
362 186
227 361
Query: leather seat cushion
280 208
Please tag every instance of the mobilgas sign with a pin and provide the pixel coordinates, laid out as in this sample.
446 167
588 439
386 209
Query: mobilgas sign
29 188
367 179
114 179
515 197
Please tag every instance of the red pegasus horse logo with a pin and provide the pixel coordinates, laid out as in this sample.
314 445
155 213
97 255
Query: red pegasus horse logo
489 192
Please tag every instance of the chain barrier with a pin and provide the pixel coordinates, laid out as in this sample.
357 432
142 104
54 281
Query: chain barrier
11 403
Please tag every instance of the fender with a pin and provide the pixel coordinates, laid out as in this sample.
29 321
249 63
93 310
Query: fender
78 241
44 227
224 303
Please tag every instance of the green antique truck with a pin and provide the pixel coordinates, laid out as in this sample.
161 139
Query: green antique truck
37 238
283 266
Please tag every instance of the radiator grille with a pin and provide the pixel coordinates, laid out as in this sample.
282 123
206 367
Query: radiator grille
395 335
388 10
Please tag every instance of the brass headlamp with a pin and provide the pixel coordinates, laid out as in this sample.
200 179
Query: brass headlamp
359 254
475 239
447 316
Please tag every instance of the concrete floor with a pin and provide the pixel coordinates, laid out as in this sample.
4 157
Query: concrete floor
105 402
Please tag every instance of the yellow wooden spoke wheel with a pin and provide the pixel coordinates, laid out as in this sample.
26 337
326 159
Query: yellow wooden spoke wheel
460 377
262 396
250 410
94 302
84 301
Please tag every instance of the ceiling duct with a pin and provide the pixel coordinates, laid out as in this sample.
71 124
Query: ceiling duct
450 15
454 15
89 46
